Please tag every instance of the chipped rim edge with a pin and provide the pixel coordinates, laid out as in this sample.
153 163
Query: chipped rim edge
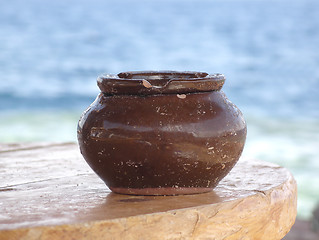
134 82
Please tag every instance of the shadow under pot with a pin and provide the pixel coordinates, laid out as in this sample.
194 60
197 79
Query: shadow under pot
161 133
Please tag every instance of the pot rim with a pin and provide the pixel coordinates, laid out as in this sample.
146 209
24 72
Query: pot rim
159 82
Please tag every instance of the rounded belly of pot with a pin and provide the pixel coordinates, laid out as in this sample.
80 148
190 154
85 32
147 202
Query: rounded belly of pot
186 141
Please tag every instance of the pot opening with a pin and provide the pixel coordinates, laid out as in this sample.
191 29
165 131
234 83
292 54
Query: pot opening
161 78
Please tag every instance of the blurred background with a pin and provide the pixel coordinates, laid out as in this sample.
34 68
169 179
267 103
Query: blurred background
51 53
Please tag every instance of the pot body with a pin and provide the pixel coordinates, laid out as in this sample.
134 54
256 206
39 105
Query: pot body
162 144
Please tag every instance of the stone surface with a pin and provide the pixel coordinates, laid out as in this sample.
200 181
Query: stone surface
47 191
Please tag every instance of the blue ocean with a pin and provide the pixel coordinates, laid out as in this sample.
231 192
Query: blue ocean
51 53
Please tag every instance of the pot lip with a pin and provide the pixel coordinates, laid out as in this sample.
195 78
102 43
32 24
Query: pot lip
159 82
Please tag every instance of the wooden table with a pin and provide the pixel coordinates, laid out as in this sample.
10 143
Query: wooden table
47 191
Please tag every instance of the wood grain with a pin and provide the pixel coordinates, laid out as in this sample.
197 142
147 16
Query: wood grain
47 191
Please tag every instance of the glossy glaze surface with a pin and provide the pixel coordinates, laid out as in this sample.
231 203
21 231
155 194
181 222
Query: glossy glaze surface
162 143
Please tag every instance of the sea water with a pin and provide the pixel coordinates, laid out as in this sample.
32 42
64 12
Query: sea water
52 51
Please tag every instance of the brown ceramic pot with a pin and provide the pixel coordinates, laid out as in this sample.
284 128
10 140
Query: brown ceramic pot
161 133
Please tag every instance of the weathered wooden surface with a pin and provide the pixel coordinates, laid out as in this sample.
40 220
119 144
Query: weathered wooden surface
47 191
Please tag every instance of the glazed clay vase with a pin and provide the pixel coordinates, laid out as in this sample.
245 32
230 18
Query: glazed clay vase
161 133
